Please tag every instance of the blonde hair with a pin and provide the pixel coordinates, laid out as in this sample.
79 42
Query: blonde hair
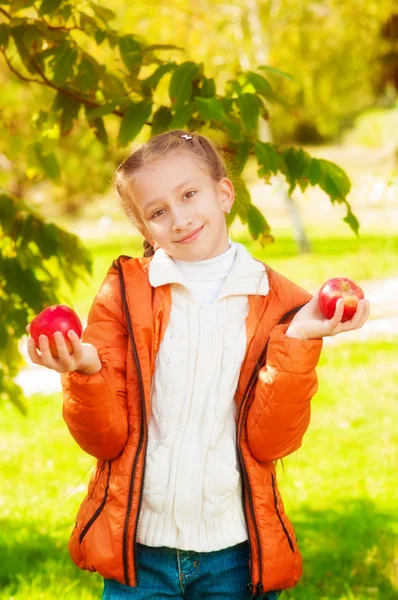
157 148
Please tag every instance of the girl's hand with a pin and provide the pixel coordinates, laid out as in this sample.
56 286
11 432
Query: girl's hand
310 323
84 358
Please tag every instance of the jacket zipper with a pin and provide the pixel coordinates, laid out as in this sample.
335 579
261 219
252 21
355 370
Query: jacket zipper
279 514
97 513
143 428
245 479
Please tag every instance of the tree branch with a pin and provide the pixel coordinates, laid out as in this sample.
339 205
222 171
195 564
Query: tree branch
17 74
70 93
61 27
4 12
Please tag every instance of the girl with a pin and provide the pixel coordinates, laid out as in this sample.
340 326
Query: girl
195 374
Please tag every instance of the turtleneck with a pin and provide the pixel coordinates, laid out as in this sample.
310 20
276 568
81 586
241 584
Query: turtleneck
205 278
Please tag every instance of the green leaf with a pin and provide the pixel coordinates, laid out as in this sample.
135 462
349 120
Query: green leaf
98 127
314 171
259 83
69 108
296 161
277 72
4 35
258 226
48 7
8 211
242 199
182 116
104 13
154 47
112 86
249 106
351 220
210 109
153 80
100 111
161 120
266 156
180 89
133 121
128 48
113 38
87 23
242 154
64 62
53 35
336 182
99 36
208 88
19 4
48 162
87 78
18 35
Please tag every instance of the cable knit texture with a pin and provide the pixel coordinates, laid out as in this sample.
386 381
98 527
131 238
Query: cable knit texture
192 489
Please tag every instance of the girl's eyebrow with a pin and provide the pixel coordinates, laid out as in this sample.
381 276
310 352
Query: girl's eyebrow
177 187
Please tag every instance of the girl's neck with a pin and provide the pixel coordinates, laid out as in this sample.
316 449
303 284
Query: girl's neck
210 268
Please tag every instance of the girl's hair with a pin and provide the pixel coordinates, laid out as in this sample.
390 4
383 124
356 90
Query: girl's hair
157 148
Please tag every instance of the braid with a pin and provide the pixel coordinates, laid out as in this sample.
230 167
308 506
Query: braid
149 250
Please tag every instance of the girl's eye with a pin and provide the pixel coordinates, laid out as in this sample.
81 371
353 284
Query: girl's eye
155 213
186 195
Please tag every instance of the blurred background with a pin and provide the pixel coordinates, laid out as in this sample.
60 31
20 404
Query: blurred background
340 64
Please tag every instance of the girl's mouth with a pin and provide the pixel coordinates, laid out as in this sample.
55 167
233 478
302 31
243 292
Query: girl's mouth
193 236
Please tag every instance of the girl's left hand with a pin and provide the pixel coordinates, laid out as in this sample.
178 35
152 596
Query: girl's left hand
310 323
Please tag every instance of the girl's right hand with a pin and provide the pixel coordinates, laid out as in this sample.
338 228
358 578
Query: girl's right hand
84 358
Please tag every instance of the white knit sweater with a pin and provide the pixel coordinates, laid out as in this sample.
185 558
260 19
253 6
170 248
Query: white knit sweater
192 489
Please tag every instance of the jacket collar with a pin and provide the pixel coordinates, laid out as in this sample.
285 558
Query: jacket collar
247 275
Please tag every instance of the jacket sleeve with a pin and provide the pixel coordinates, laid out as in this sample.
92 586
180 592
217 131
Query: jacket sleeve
280 412
94 406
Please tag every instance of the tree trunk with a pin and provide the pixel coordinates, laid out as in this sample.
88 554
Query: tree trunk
260 55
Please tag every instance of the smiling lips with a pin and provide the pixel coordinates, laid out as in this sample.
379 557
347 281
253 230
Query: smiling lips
190 237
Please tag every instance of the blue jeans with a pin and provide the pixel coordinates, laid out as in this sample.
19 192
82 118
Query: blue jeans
170 573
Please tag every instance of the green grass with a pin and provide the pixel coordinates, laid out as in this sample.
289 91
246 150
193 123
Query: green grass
341 253
339 488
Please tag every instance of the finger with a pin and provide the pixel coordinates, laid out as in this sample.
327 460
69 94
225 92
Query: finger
338 314
28 329
358 315
62 349
46 356
365 314
358 319
33 354
76 344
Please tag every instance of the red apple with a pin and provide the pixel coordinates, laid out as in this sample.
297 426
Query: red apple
333 290
55 318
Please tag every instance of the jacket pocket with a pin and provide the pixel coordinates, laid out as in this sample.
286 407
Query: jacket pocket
100 508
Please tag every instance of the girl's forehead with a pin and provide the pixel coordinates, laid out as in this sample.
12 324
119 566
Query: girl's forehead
166 174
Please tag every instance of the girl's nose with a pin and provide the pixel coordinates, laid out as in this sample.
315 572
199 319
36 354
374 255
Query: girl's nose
180 221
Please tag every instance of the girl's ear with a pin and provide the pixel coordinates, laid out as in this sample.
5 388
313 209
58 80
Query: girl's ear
226 193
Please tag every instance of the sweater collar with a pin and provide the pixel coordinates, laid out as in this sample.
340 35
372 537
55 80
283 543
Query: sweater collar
246 276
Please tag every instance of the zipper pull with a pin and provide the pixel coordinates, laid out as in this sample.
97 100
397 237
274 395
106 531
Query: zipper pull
250 587
259 589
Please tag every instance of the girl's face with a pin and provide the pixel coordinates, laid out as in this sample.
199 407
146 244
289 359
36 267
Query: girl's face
176 197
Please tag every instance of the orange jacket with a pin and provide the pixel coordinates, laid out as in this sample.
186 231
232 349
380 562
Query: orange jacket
107 414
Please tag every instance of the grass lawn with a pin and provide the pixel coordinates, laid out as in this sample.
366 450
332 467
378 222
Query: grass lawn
340 488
